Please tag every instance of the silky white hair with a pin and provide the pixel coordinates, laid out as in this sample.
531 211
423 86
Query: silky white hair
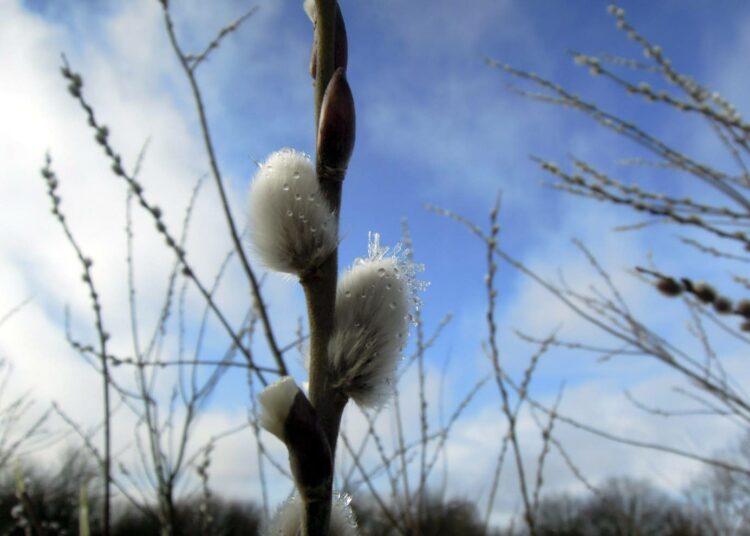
292 227
373 303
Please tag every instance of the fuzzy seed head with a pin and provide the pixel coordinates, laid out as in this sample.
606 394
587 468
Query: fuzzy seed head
292 228
276 401
288 518
374 300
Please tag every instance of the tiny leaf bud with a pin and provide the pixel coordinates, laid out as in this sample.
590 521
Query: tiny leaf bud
704 292
669 287
723 305
743 308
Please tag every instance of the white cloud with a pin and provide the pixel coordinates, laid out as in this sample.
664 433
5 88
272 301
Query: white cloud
132 89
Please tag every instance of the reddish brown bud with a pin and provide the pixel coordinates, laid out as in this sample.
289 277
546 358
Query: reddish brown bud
336 129
723 305
669 287
745 326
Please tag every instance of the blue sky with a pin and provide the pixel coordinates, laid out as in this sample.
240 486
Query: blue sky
435 125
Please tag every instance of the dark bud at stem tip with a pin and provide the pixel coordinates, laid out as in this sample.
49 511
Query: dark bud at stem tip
704 292
340 50
669 287
336 130
723 305
745 326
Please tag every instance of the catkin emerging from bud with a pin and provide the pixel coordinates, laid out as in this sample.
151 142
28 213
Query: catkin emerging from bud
291 225
287 519
276 401
373 303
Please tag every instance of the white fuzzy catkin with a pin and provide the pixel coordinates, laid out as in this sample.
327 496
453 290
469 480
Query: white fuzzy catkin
275 401
373 303
287 519
291 225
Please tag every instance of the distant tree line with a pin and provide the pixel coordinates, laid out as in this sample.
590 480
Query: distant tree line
712 505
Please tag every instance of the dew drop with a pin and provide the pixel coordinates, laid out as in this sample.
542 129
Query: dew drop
348 294
313 229
388 286
357 324
290 213
297 197
311 197
392 305
381 272
295 176
285 187
363 295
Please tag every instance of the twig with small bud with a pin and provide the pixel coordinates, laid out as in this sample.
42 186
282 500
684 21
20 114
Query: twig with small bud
358 324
